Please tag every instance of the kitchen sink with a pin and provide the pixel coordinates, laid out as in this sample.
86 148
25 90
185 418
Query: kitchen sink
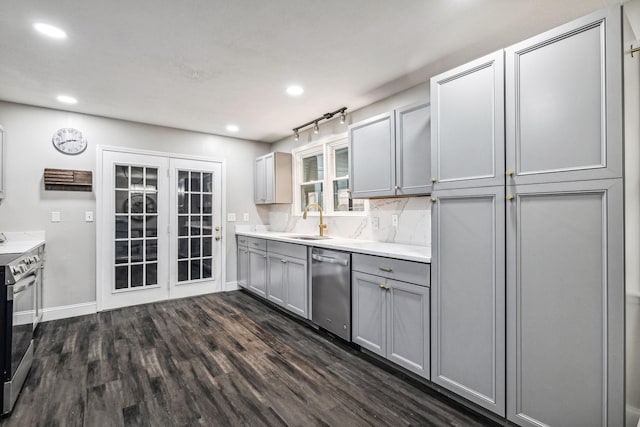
310 237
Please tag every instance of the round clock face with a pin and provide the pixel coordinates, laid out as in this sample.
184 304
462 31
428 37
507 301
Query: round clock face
69 141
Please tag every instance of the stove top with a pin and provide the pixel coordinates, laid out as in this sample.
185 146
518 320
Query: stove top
5 259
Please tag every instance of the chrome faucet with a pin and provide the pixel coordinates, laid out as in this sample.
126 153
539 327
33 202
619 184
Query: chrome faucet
321 226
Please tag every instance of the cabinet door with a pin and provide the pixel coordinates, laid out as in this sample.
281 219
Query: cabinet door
565 304
269 178
413 150
277 279
564 102
259 181
369 312
243 266
296 287
372 157
467 131
468 294
408 326
258 272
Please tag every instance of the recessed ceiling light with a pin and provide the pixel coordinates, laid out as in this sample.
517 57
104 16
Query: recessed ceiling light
50 30
295 90
233 128
67 99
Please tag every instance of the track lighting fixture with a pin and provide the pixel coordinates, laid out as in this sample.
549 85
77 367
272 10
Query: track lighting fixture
316 127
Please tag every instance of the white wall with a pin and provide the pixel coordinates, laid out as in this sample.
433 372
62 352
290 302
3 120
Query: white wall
414 213
631 34
70 266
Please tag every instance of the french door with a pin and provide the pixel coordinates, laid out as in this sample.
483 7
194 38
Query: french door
160 222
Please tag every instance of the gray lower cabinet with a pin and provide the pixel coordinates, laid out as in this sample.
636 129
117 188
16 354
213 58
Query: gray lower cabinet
468 294
467 116
257 278
564 102
288 284
565 290
388 153
391 319
243 262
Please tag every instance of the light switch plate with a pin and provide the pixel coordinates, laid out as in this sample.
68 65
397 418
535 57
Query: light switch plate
394 220
231 217
245 217
88 216
55 216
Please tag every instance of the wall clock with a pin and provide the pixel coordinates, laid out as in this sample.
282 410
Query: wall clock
69 141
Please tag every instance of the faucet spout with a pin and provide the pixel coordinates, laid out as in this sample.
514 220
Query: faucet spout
322 226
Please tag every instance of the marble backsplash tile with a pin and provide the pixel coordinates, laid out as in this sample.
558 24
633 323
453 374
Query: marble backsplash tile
414 222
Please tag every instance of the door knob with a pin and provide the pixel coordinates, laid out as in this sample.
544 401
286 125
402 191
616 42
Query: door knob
217 228
218 238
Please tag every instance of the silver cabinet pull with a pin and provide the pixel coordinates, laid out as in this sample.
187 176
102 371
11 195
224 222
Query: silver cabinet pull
387 269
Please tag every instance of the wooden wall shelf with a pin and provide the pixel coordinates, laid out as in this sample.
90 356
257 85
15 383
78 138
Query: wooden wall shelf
68 180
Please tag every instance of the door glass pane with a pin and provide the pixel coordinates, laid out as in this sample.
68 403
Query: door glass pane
196 188
136 247
313 168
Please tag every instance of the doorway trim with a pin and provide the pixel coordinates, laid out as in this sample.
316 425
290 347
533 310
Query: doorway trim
98 186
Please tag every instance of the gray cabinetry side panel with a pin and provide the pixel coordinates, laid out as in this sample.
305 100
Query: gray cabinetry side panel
372 157
296 289
408 326
243 266
369 313
468 294
563 103
566 299
413 149
276 285
467 129
258 272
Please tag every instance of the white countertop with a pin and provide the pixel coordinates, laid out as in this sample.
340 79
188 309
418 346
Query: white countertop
19 242
390 250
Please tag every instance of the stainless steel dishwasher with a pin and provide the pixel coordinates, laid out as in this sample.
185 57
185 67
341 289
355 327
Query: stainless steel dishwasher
331 291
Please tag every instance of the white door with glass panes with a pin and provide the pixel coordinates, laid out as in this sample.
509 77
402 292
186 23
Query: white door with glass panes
159 218
195 210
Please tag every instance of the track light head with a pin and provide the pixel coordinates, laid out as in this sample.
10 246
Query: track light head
296 135
316 128
343 117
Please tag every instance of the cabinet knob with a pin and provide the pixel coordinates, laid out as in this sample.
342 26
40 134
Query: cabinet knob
382 286
509 197
509 172
283 261
433 200
397 187
434 180
387 269
264 256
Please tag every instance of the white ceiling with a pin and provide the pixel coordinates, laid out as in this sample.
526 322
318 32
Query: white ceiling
202 64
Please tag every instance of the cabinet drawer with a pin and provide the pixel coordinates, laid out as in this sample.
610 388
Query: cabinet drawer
287 249
254 243
243 241
405 271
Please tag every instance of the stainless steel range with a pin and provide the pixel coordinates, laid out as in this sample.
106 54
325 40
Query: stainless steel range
19 314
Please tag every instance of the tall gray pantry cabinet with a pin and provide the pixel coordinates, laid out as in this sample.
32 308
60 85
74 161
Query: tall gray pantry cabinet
562 200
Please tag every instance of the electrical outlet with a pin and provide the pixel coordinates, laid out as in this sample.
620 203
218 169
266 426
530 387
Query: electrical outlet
55 216
88 216
375 223
231 217
245 217
394 220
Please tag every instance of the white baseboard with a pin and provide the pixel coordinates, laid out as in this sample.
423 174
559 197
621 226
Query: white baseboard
66 311
231 286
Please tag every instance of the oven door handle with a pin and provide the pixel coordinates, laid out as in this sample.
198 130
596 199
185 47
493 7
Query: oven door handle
31 281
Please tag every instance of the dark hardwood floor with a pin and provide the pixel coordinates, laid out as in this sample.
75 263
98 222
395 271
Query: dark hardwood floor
223 359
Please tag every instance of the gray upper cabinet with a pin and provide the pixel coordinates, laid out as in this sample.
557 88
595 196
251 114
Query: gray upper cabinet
390 153
467 131
468 294
565 310
413 150
564 103
273 179
372 157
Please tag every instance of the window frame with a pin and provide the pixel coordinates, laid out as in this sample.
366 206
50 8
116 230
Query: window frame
327 147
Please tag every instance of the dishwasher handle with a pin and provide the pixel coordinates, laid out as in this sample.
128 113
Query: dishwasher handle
330 260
